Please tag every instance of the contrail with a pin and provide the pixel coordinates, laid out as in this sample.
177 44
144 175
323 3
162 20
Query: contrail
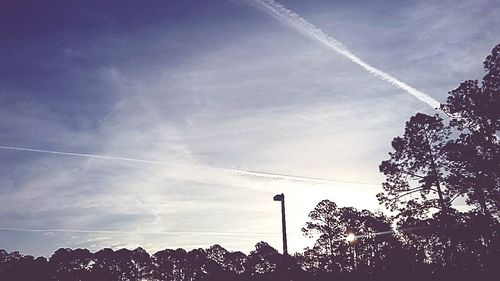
292 19
233 171
201 233
298 178
81 155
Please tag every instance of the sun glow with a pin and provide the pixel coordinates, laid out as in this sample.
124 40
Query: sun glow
350 238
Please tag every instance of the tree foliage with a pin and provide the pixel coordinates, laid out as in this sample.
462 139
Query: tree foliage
418 165
435 162
330 226
474 110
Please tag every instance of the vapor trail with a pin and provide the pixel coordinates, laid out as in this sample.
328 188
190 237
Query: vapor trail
201 233
81 155
136 160
292 19
297 178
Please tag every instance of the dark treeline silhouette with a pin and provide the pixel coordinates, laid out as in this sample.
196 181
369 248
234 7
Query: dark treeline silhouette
432 165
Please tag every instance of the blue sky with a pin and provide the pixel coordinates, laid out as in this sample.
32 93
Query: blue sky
206 86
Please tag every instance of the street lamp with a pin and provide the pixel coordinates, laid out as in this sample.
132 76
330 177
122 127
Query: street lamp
281 197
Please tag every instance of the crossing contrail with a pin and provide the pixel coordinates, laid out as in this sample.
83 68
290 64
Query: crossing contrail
292 19
143 161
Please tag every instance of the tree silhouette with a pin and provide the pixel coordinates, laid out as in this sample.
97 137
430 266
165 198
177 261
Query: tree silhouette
264 259
418 164
474 110
131 265
170 264
235 262
196 269
71 264
475 113
477 107
224 265
15 266
104 267
331 225
440 166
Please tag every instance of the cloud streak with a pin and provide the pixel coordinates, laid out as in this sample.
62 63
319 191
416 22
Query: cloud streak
198 233
234 171
292 19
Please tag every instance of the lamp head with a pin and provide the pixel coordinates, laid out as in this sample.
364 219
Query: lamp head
279 197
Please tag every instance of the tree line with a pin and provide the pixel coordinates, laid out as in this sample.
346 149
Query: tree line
452 156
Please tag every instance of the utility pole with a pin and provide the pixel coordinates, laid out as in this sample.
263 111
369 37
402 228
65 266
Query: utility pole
281 197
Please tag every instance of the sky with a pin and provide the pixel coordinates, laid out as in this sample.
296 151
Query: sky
200 92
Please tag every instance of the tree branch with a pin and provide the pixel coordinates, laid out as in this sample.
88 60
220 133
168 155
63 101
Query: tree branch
411 174
407 193
455 197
